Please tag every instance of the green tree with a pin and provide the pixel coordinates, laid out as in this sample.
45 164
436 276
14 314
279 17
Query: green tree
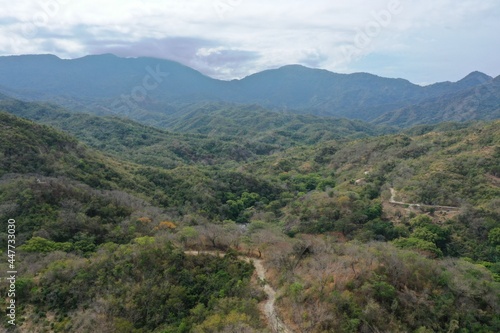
42 245
186 234
494 236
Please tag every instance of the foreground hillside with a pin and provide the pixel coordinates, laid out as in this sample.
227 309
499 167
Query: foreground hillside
101 240
72 211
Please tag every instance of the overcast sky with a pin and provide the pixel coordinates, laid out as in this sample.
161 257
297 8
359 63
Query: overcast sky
424 41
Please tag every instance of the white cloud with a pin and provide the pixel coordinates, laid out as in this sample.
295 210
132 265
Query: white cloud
429 40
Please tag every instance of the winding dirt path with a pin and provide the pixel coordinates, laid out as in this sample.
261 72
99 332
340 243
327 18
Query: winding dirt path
393 196
276 324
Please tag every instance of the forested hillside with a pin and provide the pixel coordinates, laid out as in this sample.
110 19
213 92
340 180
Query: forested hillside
257 123
203 134
142 144
353 232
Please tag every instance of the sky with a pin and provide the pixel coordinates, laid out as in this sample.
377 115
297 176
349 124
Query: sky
423 41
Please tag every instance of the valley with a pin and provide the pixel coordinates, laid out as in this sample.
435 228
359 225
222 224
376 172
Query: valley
259 212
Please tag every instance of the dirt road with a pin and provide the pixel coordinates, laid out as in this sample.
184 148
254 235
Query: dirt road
393 201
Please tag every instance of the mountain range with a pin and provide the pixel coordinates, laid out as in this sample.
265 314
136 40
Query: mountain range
358 226
153 90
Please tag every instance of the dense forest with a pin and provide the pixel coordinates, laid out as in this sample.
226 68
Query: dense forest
360 228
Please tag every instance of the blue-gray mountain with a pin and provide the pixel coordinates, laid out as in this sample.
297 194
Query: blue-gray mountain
147 89
476 102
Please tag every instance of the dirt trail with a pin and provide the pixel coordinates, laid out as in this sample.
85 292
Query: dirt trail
393 196
269 310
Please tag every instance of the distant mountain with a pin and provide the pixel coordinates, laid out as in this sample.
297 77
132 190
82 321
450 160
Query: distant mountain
144 88
476 102
359 95
4 97
471 80
100 77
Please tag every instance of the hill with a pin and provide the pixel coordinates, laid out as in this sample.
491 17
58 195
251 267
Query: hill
259 124
45 152
345 187
101 240
146 88
205 134
69 201
138 143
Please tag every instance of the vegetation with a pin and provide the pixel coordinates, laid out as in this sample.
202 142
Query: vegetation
375 287
206 134
138 143
144 286
102 230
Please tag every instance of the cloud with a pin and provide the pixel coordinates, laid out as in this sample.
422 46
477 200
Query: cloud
313 58
426 41
174 48
208 56
225 63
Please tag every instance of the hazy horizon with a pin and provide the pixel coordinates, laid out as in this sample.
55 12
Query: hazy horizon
250 74
424 42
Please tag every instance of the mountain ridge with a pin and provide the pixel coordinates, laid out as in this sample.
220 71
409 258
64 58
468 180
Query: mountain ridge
477 102
151 85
